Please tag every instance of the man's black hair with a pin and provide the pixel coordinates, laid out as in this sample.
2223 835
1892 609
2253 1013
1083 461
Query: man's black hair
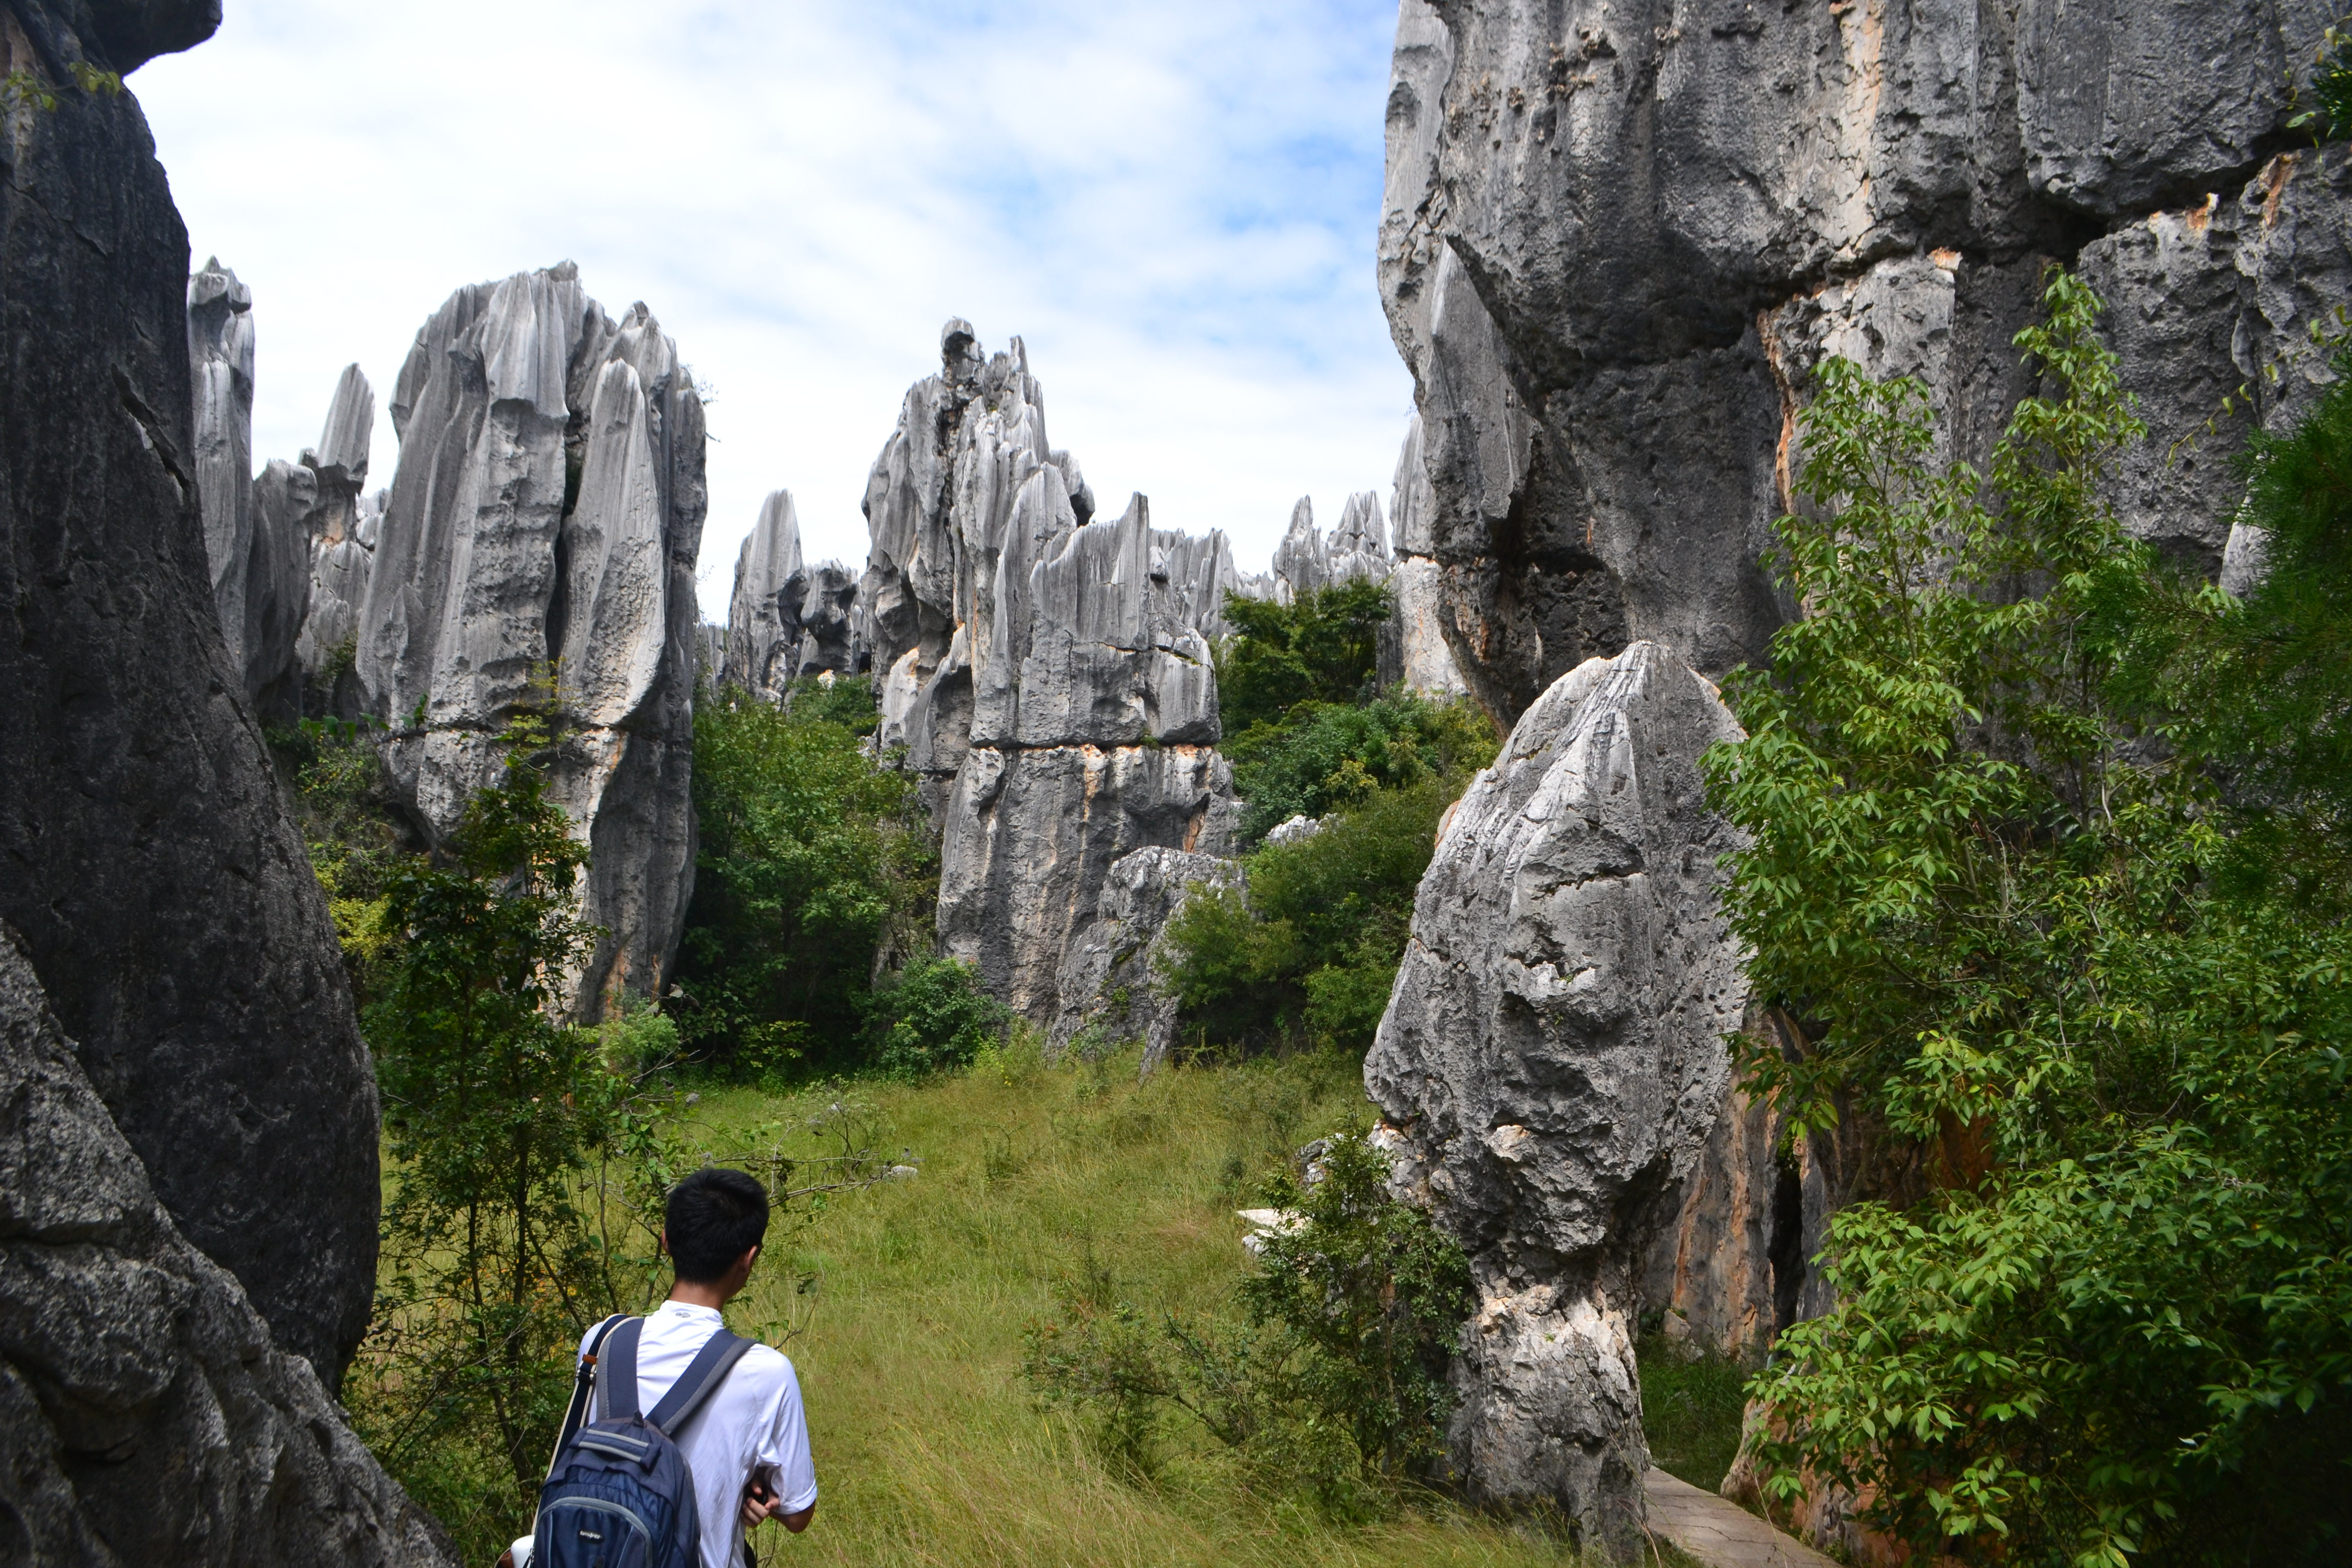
714 1217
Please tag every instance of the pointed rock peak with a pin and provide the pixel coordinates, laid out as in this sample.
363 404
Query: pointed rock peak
351 425
215 285
961 360
1302 515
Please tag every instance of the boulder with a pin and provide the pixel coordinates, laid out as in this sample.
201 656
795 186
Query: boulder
542 527
1552 1062
1046 670
163 899
1612 254
145 1416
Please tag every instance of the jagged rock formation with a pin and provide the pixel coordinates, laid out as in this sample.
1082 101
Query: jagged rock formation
786 620
1108 982
163 899
254 536
341 525
1047 673
1414 646
1613 251
547 506
145 1417
1552 1061
1305 561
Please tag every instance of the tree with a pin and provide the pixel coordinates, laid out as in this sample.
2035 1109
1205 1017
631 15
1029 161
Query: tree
494 1110
812 863
1323 646
2096 1303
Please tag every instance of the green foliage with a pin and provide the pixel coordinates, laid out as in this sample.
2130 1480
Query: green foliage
1318 757
1693 1402
2330 115
341 804
812 862
1332 1382
931 1017
1310 952
848 701
2097 1305
1323 648
496 1116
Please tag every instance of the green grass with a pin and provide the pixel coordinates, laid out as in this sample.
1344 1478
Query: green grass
929 1446
1691 1408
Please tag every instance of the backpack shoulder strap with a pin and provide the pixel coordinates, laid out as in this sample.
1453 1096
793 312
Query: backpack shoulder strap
616 1374
701 1378
583 1382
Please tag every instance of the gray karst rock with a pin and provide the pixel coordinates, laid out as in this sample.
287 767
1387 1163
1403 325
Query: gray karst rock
255 538
145 1416
764 614
220 367
1552 1062
1414 648
163 899
547 506
786 620
1612 253
1047 671
1109 981
1305 561
341 526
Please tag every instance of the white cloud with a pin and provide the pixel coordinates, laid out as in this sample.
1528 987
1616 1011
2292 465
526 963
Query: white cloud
1174 205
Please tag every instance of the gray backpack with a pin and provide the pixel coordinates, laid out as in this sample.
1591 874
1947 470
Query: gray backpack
619 1494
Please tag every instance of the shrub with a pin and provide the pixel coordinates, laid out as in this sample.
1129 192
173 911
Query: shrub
1308 952
1322 648
2097 1304
812 865
1331 1382
1318 758
934 1017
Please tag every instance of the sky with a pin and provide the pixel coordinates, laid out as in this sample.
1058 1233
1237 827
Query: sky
1174 203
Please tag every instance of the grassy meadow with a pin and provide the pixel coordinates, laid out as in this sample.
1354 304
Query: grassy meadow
906 1304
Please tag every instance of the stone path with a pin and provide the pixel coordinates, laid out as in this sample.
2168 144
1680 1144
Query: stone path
1718 1533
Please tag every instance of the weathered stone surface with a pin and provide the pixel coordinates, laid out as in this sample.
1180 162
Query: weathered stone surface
1612 253
1109 981
1414 647
341 526
1029 838
145 1417
1553 1058
165 902
489 565
1047 671
786 620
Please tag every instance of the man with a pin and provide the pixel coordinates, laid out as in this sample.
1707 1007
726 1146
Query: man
748 1446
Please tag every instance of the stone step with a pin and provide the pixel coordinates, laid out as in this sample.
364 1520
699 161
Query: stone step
1721 1534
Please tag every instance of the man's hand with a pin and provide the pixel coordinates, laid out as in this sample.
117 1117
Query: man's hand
760 1505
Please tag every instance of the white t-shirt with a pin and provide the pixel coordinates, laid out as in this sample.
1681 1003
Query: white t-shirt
751 1422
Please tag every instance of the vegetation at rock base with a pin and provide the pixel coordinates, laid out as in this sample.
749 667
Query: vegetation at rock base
1329 1387
2039 900
813 871
1322 648
1308 951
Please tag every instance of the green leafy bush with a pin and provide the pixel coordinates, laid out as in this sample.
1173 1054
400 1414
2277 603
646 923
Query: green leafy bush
1310 952
1320 758
1331 1385
812 865
931 1017
2096 1303
1322 648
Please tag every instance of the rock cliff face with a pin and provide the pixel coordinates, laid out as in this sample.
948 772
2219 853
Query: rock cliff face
1047 672
1108 983
1552 1062
145 1417
784 619
163 899
548 509
1618 240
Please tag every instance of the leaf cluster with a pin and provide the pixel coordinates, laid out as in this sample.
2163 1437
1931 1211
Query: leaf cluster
1322 648
811 861
2095 1305
1320 757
